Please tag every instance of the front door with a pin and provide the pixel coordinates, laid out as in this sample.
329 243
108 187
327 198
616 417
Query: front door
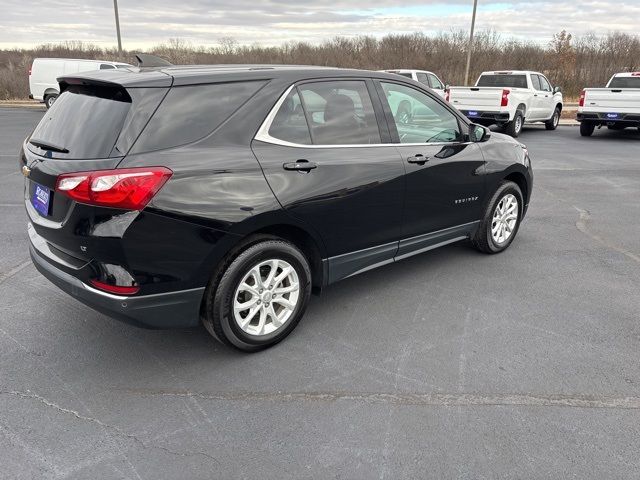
324 158
547 102
444 183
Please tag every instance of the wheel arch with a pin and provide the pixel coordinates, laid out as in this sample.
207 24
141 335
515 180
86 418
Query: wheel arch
519 179
50 91
307 243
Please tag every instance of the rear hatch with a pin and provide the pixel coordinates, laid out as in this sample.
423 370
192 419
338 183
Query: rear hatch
90 127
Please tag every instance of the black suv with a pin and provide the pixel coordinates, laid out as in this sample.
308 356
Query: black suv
225 195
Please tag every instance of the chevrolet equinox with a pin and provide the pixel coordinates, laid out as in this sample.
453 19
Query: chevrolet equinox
225 195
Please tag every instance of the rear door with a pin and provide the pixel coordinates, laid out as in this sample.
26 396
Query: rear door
323 153
444 185
537 104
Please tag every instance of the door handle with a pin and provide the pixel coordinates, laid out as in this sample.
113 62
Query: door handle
300 165
535 94
419 159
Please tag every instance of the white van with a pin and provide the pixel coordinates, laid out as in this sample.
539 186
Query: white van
43 74
425 77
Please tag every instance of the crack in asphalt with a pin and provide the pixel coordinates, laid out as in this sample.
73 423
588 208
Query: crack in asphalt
415 399
117 430
17 269
582 225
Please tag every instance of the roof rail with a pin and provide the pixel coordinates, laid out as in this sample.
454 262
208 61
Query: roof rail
146 60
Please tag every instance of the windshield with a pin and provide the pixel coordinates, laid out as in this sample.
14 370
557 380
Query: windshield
625 82
512 81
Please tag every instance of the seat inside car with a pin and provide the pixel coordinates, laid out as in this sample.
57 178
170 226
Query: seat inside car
341 124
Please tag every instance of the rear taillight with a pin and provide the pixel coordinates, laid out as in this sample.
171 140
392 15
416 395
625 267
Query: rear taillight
582 95
126 188
505 98
30 67
447 94
635 74
115 289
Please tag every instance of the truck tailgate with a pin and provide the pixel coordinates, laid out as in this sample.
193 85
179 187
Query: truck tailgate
481 98
624 100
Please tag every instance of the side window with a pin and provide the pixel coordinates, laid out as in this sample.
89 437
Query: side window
190 113
339 113
422 78
420 118
535 81
106 66
435 83
544 84
290 124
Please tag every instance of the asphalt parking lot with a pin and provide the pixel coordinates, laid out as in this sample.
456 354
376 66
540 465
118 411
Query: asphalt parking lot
452 364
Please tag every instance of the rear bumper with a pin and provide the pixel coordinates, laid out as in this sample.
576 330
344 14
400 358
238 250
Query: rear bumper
483 117
628 119
163 310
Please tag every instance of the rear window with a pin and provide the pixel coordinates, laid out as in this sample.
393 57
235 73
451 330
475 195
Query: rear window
513 81
83 123
625 82
190 113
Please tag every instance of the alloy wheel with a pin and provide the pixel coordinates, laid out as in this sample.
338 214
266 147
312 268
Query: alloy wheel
505 219
266 297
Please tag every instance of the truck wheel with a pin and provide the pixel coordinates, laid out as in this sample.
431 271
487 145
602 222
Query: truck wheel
514 127
553 122
49 99
587 128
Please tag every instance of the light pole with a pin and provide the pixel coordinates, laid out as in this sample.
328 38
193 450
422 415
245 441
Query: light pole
115 8
473 24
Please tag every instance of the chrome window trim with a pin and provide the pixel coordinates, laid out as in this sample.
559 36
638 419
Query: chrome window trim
263 133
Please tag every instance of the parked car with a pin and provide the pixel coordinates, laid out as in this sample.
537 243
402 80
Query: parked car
43 74
226 194
509 99
617 105
425 77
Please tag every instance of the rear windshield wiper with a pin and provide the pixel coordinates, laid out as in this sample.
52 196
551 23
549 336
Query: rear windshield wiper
47 145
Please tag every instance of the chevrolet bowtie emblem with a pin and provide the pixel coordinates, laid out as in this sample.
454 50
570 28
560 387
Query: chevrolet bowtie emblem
26 171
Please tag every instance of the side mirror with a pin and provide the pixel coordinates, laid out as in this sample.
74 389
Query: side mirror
478 133
447 86
557 90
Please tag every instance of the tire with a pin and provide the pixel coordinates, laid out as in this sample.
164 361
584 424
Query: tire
587 128
49 99
270 320
553 122
485 238
514 127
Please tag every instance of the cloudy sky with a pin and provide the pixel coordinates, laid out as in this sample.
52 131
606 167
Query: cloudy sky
24 23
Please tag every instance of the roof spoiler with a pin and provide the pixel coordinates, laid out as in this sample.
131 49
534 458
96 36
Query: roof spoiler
146 60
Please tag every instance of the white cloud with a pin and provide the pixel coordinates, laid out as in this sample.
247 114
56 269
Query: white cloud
148 22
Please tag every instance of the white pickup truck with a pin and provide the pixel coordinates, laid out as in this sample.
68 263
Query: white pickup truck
617 106
509 99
